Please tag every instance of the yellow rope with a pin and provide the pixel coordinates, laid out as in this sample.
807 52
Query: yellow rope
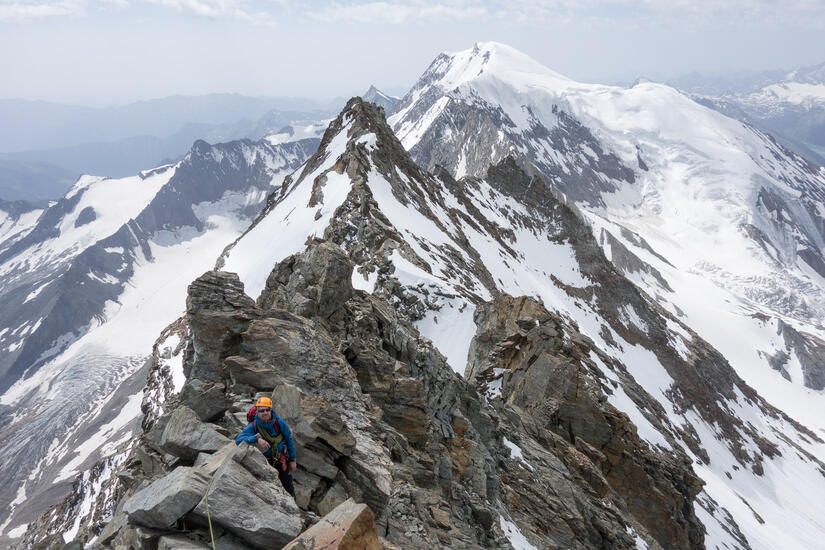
208 516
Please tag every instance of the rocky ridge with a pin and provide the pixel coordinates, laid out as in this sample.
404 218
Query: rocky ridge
479 243
354 364
380 417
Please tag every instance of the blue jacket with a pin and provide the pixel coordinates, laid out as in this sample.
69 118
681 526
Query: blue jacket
248 435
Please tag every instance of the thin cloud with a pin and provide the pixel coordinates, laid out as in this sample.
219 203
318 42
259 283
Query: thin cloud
203 8
398 12
670 13
214 9
114 5
10 10
218 9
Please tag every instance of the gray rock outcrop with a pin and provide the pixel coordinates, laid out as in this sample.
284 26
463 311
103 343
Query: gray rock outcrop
185 435
167 499
257 511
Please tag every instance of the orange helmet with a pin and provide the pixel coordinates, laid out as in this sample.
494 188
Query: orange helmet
263 402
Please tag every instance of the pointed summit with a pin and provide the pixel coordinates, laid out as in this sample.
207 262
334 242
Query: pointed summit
388 102
359 155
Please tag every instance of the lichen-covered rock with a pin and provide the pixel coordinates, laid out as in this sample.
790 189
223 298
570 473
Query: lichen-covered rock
243 372
313 284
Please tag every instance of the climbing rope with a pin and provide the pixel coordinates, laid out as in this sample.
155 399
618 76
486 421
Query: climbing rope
208 516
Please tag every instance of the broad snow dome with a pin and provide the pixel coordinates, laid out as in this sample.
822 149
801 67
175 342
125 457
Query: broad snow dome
703 169
494 60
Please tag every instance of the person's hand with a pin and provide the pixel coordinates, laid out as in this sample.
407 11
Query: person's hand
293 466
263 444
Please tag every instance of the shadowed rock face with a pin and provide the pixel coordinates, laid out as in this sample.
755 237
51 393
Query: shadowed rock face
810 351
379 417
543 369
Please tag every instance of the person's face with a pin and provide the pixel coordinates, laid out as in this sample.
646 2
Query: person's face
265 413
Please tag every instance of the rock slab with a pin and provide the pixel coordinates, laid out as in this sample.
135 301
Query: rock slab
349 526
259 512
167 499
185 435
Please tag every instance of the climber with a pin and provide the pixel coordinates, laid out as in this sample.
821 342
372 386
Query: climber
266 431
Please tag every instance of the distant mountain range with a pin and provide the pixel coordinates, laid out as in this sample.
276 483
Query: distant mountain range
45 147
788 104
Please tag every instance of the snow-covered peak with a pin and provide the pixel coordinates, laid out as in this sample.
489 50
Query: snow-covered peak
814 74
288 134
697 183
375 92
388 102
494 60
795 93
305 203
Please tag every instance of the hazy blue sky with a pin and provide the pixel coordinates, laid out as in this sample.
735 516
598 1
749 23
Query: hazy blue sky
114 51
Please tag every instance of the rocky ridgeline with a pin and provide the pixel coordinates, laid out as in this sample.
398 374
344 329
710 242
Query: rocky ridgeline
526 447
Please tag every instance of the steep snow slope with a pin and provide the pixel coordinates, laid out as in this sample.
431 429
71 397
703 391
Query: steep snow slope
715 220
87 292
17 218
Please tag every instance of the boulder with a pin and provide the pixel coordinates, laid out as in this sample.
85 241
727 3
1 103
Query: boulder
218 310
258 511
115 524
167 499
185 435
207 399
242 371
368 472
313 284
335 496
305 483
248 456
298 352
316 457
318 429
349 526
327 424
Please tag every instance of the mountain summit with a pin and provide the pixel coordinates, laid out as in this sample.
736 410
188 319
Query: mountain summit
388 102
